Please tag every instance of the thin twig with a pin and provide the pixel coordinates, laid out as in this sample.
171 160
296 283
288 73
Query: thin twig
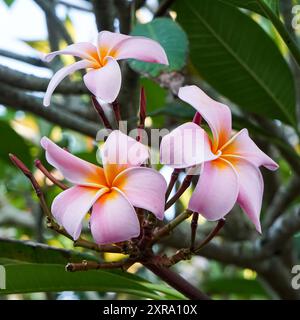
212 234
92 265
194 225
172 182
163 8
95 247
19 164
177 282
142 114
40 166
100 112
116 109
165 230
185 184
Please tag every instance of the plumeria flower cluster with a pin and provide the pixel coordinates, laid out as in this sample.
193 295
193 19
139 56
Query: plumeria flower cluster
228 164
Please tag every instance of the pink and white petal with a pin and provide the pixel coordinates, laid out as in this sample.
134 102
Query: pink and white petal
242 145
114 219
105 82
141 48
148 195
186 146
108 40
83 50
71 206
60 75
216 191
251 190
216 114
120 152
74 169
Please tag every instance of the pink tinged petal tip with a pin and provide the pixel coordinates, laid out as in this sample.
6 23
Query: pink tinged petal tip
145 188
243 146
60 75
114 219
105 82
186 146
217 115
141 48
74 169
251 188
83 50
71 206
216 191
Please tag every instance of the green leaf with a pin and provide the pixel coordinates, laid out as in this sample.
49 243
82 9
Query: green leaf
32 267
22 278
242 63
173 39
13 143
38 253
235 285
9 2
254 5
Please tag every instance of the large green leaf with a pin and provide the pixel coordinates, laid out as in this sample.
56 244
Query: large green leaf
32 267
12 142
234 54
22 278
31 252
173 39
254 5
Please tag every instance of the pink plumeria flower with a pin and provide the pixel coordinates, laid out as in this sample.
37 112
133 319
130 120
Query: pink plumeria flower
103 77
229 172
112 191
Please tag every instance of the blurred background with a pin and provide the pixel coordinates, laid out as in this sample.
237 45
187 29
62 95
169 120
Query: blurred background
231 49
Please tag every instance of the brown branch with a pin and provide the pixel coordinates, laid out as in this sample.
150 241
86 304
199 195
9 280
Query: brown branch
19 100
185 184
92 265
172 182
282 200
19 164
194 225
116 110
105 14
163 8
75 6
40 166
165 230
47 7
100 112
26 59
177 282
34 83
124 10
98 248
247 253
211 235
